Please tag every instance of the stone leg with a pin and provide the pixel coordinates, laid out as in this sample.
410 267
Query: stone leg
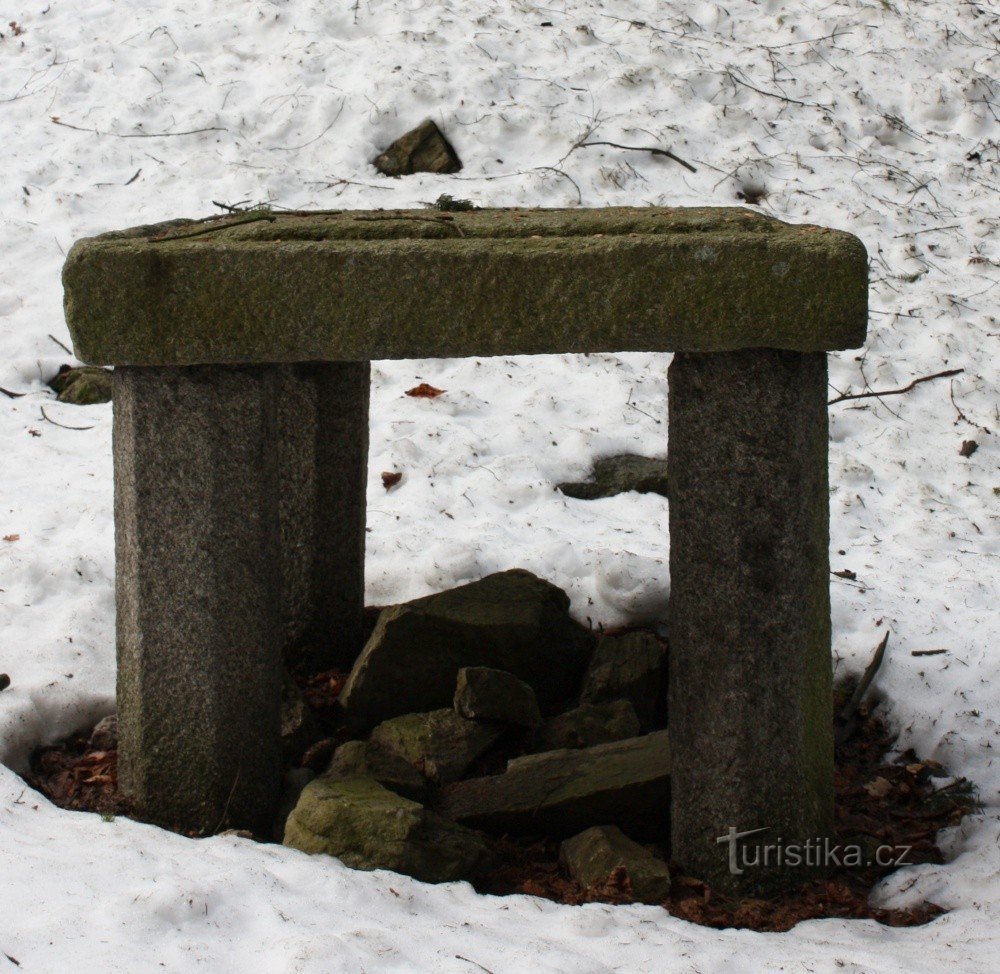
322 446
750 700
236 524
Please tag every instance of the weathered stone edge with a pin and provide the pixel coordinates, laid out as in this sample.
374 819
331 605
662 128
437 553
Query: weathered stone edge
183 302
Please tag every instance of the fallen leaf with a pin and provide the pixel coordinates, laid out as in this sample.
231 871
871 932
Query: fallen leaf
12 537
424 391
846 573
967 448
878 788
390 478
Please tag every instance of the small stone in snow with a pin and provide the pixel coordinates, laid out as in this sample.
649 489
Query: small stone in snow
423 149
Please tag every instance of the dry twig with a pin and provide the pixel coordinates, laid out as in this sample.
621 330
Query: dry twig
641 148
136 135
63 426
878 393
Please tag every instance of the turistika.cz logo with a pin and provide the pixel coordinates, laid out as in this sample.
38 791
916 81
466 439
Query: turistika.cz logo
810 853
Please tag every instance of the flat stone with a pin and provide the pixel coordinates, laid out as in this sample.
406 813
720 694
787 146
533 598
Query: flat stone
626 783
487 694
365 759
369 827
441 744
510 621
353 285
423 149
620 474
630 667
588 725
592 856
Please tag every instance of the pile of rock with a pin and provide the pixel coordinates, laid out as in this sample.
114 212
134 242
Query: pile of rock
487 711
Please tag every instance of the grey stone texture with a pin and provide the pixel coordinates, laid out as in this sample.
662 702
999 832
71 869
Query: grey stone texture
620 474
226 547
361 285
626 783
511 621
587 725
322 455
632 667
593 855
750 699
240 487
199 645
483 693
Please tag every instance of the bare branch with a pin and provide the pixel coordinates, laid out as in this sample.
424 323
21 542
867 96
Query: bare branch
640 148
878 393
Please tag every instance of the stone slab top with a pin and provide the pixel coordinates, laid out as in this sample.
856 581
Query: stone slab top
349 285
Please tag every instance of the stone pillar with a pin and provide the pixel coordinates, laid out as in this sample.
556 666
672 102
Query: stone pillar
750 700
239 517
323 448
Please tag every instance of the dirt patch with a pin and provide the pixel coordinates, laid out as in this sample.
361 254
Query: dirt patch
902 802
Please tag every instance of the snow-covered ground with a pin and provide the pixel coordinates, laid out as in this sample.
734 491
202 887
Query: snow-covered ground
876 117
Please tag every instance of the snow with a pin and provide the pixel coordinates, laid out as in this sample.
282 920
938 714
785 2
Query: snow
876 117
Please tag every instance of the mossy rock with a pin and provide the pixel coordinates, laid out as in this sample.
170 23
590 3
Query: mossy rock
365 759
353 285
440 743
366 826
84 386
592 856
423 149
588 725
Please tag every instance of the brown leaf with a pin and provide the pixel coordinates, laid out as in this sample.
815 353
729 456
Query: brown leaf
12 537
390 478
424 391
967 448
878 788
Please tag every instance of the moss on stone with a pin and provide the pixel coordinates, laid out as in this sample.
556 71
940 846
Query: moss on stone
356 285
366 826
86 386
